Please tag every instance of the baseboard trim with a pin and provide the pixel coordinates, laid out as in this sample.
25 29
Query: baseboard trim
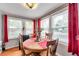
12 48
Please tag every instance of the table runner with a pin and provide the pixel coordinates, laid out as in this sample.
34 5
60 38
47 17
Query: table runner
31 43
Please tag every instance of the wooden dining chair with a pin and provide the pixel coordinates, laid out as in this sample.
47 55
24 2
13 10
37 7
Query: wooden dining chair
52 47
24 51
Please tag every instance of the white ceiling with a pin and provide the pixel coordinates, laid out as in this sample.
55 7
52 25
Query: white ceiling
19 10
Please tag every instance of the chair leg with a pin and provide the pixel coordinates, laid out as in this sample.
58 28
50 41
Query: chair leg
28 54
23 52
47 51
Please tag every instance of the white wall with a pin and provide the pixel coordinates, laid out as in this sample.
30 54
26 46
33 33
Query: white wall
0 31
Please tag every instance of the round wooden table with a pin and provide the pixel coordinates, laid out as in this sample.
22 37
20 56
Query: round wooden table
35 48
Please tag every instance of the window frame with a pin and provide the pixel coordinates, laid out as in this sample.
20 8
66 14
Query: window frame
23 23
50 18
46 18
26 26
13 18
57 13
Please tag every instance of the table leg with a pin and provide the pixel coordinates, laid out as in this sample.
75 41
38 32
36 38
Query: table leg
36 53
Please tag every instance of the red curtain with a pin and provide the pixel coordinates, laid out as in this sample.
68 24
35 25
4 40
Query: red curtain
34 29
5 29
34 26
39 24
78 47
73 28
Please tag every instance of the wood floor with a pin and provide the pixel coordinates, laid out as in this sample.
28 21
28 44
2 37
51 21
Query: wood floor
15 52
61 51
12 52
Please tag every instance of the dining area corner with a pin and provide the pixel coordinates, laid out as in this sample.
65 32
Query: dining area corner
43 47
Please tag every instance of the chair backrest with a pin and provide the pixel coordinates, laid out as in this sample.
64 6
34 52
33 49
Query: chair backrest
21 41
22 38
25 37
52 45
21 44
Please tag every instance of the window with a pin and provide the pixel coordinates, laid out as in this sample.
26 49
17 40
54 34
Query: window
44 27
14 27
29 27
60 26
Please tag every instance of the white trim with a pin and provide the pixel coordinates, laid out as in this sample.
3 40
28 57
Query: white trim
17 18
56 12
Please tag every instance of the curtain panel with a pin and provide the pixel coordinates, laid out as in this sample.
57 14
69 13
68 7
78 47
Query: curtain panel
39 24
34 26
73 28
5 28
